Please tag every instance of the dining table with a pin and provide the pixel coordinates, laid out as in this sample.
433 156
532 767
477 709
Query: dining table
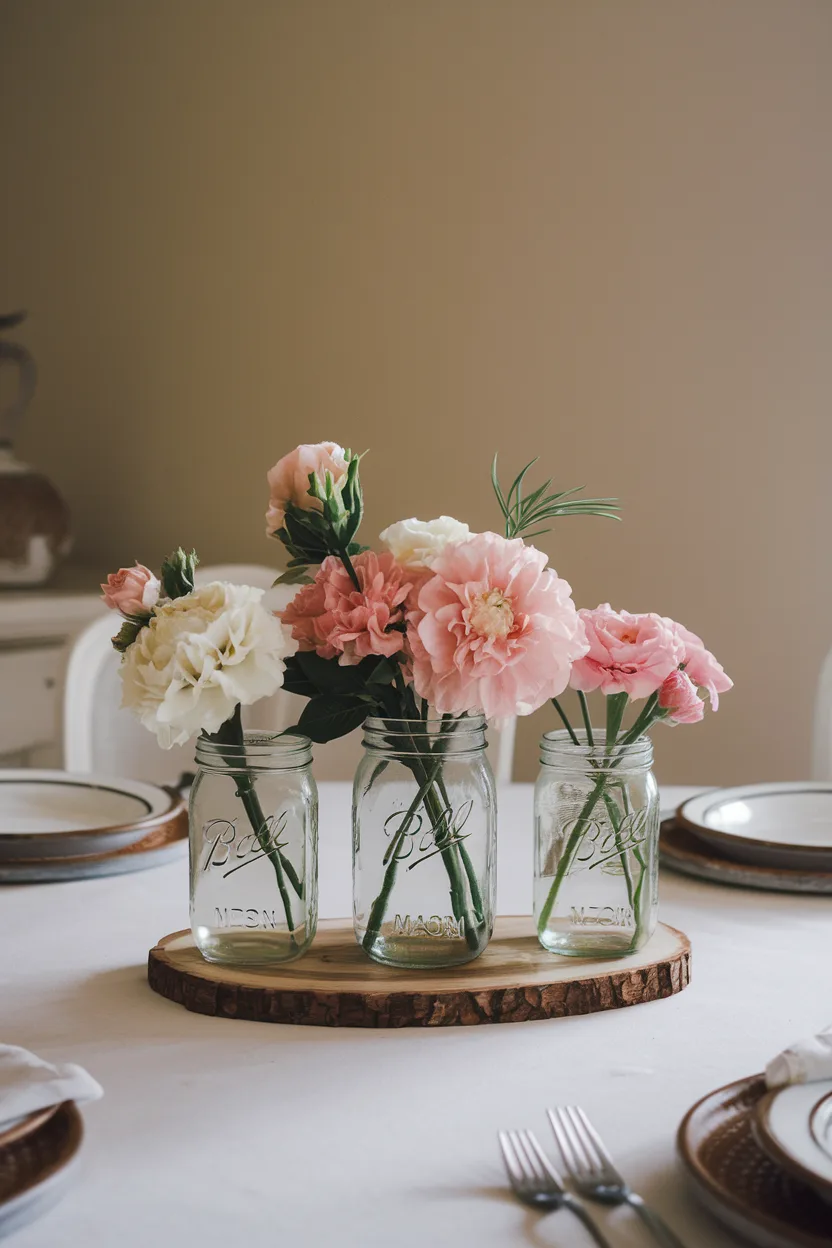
215 1132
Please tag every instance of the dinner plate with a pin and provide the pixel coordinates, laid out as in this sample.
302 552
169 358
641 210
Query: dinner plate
36 1169
739 1183
785 824
682 850
163 844
784 1123
57 814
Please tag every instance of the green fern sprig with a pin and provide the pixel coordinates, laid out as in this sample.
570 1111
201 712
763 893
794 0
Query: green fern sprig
524 514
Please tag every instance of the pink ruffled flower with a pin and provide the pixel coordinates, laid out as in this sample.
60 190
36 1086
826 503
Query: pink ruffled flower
679 696
333 618
627 653
493 629
132 591
702 668
289 478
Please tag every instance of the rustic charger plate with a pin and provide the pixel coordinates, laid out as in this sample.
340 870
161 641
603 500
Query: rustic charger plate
739 1183
35 1169
61 814
683 851
335 984
16 1128
162 845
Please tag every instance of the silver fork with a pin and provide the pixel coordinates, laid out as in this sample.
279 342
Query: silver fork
593 1172
536 1182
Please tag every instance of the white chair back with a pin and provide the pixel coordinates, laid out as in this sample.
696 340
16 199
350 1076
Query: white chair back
822 734
98 736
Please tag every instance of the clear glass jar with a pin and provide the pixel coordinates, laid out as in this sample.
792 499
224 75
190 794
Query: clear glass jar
254 849
424 842
596 816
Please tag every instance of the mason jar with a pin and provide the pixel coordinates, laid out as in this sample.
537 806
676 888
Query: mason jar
424 842
596 816
254 849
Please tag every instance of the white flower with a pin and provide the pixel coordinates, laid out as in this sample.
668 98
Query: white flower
199 656
417 543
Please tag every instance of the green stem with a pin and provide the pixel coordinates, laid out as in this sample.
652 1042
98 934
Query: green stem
347 562
612 811
568 855
590 740
231 733
565 720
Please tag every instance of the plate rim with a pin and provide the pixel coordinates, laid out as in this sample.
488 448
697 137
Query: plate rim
702 1178
76 1138
775 1150
774 788
29 1122
771 878
826 1097
89 780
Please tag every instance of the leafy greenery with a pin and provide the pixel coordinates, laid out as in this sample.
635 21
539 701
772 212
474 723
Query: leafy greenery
309 536
523 515
127 634
178 573
332 715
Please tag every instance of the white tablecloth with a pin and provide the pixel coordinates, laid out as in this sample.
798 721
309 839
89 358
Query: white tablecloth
214 1132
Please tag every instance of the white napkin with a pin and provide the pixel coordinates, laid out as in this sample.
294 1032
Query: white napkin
27 1083
807 1061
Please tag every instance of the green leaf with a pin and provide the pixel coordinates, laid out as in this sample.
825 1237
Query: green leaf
295 679
326 718
127 634
296 575
616 705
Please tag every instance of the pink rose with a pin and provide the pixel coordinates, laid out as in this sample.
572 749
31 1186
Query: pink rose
630 654
702 667
289 479
678 695
333 618
132 591
493 630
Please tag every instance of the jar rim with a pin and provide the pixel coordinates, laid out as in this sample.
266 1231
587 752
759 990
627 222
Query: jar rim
263 750
391 726
559 747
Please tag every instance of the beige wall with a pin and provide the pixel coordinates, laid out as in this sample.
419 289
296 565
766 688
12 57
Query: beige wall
594 230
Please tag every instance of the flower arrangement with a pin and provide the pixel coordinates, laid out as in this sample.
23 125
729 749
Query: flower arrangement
192 657
642 658
440 621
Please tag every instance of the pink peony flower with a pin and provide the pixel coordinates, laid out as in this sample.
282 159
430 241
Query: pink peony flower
630 654
702 667
333 618
678 695
132 591
289 478
493 630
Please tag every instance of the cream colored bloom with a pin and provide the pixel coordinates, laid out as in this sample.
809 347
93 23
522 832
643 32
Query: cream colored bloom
417 543
199 657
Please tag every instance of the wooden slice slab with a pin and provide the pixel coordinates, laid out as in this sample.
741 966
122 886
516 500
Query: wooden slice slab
336 985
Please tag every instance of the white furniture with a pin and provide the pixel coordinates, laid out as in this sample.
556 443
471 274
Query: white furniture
213 1131
36 625
822 735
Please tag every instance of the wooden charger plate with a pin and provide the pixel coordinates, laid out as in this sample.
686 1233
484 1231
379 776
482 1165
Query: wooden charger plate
683 851
335 984
738 1182
35 1169
161 845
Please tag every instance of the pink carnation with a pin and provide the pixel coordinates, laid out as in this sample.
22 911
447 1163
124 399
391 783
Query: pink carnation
132 591
493 630
289 478
630 654
702 667
333 618
678 695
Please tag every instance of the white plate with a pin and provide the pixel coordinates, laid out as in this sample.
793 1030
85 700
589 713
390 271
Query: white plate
46 814
787 824
784 1118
